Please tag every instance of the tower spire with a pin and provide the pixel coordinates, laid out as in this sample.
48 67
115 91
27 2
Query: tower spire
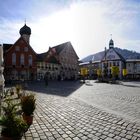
111 42
25 21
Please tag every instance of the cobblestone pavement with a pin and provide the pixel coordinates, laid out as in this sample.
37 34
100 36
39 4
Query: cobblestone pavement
122 100
66 118
90 111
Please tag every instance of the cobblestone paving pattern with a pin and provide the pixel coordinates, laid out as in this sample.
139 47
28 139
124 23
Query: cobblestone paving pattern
122 100
67 118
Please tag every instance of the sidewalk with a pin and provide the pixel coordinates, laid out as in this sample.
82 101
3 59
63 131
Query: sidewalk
66 118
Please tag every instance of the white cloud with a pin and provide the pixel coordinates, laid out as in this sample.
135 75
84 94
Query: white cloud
87 24
9 31
81 24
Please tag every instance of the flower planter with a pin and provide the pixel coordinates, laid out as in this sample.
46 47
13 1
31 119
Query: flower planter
5 138
10 138
28 119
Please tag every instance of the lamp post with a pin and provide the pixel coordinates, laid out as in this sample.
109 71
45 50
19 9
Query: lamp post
1 75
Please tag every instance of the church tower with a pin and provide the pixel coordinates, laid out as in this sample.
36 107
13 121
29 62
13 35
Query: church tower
111 44
25 32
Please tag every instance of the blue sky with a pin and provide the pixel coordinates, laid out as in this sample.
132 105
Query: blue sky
86 23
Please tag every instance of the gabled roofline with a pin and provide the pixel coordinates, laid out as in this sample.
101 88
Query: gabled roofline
63 44
24 41
122 58
119 55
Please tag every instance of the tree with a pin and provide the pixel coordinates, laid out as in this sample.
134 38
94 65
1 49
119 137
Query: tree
115 72
124 73
99 74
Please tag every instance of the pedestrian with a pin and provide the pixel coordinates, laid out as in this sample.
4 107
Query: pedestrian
59 78
46 79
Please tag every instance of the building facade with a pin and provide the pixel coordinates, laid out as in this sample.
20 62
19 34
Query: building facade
47 65
105 60
112 58
133 68
20 58
59 62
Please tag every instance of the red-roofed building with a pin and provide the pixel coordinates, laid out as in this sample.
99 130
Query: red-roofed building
22 63
20 58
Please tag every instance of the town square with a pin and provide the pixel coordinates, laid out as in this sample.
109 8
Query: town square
72 110
70 70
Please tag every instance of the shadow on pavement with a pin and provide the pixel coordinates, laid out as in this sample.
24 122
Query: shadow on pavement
60 88
131 85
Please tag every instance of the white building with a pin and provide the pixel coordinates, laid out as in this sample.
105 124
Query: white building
113 56
133 68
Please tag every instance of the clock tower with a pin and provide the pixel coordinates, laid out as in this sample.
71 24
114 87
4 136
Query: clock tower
111 44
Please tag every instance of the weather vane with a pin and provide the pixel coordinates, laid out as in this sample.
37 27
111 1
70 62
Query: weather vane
111 36
25 20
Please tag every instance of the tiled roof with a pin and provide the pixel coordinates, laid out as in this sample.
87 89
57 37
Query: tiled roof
6 47
127 54
94 57
60 47
123 54
41 56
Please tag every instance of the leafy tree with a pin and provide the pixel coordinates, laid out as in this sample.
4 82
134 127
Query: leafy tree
99 74
115 72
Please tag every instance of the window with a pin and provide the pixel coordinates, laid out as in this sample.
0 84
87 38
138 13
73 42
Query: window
110 64
30 61
22 59
114 64
17 48
13 59
26 49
